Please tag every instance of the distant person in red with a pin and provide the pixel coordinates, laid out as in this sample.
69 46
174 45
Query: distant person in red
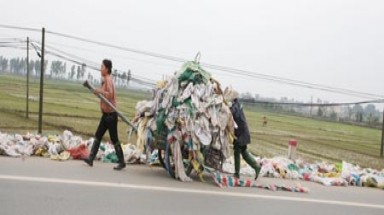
265 122
108 119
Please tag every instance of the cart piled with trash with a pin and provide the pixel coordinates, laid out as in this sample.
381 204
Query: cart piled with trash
189 121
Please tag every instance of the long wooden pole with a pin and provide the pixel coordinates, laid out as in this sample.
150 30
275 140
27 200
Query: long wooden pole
92 89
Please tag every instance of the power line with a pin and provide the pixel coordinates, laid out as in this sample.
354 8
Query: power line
92 65
294 82
115 55
171 58
10 42
13 38
20 28
14 47
230 70
312 104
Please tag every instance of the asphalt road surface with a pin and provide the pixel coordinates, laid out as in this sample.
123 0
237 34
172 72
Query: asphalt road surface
41 186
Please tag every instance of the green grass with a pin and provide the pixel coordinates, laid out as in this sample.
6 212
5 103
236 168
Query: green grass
317 139
68 105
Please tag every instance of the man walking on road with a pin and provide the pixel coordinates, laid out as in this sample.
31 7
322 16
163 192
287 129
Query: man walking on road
108 119
243 138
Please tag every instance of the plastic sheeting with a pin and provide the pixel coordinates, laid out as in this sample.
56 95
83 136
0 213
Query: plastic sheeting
67 146
63 147
230 181
189 110
340 174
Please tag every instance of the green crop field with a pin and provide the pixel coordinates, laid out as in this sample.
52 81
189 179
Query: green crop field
317 139
68 105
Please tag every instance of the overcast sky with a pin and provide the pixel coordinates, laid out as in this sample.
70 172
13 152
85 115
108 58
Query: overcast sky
330 42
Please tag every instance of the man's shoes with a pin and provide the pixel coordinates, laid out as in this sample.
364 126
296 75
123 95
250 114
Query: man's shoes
120 166
88 161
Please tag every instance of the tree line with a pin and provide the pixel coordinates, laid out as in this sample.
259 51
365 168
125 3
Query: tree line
357 114
368 114
57 69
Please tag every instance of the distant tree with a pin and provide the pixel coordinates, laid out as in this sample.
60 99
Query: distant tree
22 66
45 66
369 118
118 78
64 71
114 75
124 77
358 112
37 67
247 97
31 67
78 72
73 72
3 64
320 112
55 67
371 114
370 110
12 65
129 75
90 77
83 70
17 65
333 115
349 112
325 111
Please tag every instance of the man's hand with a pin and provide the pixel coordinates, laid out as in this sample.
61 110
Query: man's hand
98 91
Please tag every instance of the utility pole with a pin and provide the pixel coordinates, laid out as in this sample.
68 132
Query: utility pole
41 81
382 138
27 108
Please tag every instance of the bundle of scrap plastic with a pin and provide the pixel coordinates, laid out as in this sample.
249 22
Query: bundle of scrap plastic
339 174
187 109
63 147
323 173
18 145
230 181
367 177
27 145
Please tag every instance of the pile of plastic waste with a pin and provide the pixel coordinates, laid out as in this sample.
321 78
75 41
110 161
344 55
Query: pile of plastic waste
223 180
68 146
339 174
188 110
64 147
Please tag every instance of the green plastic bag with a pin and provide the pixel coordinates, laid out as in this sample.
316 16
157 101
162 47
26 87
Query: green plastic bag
193 72
161 116
111 158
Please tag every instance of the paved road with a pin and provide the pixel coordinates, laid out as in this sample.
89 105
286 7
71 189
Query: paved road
41 186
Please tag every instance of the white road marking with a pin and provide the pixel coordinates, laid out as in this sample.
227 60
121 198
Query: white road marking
183 190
